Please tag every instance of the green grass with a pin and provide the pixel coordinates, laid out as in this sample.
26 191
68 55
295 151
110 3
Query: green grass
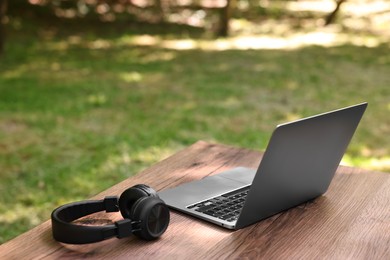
76 119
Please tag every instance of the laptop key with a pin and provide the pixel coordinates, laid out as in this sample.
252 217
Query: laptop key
227 216
232 219
215 214
225 207
230 194
204 208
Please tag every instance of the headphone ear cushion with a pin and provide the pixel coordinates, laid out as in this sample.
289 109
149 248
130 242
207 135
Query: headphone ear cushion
133 194
128 198
153 215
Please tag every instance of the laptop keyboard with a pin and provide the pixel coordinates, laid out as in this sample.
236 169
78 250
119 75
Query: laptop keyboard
226 207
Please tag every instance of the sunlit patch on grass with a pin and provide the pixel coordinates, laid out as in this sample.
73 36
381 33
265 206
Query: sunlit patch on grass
326 37
131 76
12 74
372 163
379 163
57 45
75 39
55 66
116 161
72 41
20 211
139 40
81 183
229 103
292 117
159 56
126 161
347 160
153 154
100 44
97 99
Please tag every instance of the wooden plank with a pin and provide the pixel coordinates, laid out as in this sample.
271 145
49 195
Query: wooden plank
351 221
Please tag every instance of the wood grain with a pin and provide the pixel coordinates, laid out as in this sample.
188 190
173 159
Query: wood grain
351 221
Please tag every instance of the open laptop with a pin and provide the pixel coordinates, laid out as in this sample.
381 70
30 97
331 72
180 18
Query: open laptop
298 165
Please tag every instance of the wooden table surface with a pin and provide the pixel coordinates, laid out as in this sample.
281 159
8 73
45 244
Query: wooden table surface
351 221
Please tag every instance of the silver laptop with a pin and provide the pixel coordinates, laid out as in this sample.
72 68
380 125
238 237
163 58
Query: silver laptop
298 165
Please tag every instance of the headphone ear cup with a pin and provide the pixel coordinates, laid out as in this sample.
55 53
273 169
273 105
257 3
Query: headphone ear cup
148 190
153 215
128 198
133 194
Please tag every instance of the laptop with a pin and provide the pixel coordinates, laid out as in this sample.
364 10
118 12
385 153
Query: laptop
298 165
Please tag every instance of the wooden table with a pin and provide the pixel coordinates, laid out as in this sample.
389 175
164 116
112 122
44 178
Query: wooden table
351 221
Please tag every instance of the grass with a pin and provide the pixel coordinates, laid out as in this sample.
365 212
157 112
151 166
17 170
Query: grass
81 112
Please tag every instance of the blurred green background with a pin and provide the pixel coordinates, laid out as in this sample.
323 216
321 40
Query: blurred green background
88 99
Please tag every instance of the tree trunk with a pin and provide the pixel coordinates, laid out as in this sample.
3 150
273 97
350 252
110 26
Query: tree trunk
332 16
160 10
225 16
3 9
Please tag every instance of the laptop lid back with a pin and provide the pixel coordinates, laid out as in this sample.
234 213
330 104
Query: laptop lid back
300 162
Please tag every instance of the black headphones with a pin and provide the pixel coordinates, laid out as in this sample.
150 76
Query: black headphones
144 213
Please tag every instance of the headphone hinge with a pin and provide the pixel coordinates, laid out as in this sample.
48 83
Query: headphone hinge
124 228
111 204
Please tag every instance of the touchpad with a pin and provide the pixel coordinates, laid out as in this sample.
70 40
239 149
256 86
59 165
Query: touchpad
211 186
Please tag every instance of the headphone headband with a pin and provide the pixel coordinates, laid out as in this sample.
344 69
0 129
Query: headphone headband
67 232
145 215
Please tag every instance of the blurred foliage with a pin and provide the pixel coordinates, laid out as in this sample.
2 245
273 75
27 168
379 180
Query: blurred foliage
211 15
153 11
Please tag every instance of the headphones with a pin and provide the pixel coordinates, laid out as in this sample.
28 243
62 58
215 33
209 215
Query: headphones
144 213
